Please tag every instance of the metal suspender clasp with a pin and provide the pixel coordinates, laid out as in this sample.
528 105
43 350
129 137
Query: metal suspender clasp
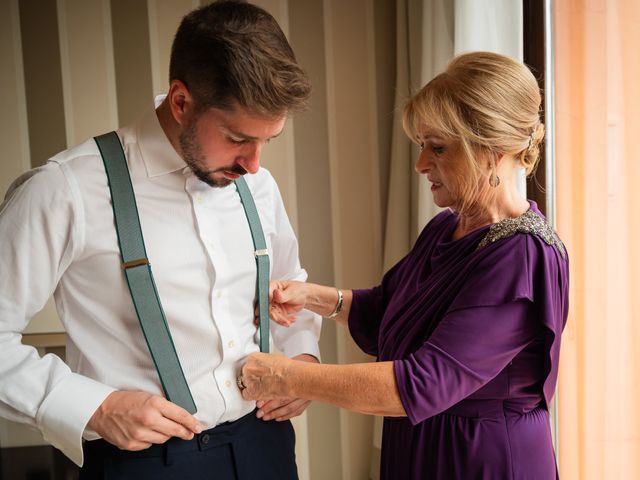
261 252
135 263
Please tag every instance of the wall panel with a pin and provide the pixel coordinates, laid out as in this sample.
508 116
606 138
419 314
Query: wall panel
354 173
88 71
164 18
13 123
306 33
132 58
42 79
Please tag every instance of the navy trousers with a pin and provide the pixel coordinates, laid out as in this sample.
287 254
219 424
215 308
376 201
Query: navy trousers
247 449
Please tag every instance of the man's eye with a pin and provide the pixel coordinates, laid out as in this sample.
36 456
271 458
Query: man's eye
237 141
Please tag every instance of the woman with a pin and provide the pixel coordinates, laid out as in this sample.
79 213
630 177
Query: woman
466 328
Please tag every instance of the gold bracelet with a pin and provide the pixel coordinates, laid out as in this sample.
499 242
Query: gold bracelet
338 309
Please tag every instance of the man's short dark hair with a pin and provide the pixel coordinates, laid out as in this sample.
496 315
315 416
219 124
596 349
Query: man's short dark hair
234 52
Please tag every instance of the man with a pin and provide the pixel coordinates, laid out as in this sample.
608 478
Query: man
233 80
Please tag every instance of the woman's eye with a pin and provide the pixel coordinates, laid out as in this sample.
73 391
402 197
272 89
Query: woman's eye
438 150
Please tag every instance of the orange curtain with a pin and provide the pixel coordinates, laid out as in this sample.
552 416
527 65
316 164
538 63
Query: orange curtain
598 216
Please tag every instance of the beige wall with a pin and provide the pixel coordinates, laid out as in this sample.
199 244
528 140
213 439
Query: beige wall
132 60
101 64
44 101
13 122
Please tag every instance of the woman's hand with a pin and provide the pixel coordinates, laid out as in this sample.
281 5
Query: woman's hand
287 298
264 377
285 408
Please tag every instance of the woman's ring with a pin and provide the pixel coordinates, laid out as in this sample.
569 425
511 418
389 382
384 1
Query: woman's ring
240 383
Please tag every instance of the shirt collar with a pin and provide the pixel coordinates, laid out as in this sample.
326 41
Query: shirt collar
157 153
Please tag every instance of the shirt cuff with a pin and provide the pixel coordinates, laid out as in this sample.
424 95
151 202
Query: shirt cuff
67 409
302 342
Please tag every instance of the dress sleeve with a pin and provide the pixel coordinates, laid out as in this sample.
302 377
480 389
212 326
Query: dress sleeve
468 348
493 316
368 307
365 315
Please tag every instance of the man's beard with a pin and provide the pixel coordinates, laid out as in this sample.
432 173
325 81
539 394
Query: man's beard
193 157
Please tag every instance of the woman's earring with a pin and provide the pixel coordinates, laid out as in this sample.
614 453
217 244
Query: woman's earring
494 179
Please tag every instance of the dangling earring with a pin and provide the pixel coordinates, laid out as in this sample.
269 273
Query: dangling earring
494 179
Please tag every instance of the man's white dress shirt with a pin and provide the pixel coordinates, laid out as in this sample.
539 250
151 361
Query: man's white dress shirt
57 236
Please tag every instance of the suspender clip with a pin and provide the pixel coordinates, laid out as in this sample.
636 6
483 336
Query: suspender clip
261 252
135 263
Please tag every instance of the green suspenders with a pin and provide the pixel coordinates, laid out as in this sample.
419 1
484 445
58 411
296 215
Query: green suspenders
262 260
137 271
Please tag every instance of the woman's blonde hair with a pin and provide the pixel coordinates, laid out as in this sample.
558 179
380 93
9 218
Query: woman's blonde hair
488 102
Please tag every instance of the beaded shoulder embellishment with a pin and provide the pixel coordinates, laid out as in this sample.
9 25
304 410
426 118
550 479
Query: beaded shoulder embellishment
528 222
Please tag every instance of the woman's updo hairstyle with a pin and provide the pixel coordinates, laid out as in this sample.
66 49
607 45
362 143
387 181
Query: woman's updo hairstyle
489 102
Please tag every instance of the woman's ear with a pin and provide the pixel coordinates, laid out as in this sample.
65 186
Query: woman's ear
180 101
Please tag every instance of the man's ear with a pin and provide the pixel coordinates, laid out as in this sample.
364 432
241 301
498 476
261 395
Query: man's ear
180 101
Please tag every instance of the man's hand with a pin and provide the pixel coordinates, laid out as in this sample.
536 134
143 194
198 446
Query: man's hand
135 420
284 408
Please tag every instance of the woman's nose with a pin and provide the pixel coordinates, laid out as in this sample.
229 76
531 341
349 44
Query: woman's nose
423 164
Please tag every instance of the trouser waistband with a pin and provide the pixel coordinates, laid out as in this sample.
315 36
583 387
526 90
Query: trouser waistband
211 438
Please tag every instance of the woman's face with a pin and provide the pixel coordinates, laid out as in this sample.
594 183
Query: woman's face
442 161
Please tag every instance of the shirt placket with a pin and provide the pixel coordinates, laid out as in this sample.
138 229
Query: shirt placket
224 374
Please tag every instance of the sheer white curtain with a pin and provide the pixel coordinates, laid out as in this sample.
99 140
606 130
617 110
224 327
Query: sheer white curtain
429 34
494 26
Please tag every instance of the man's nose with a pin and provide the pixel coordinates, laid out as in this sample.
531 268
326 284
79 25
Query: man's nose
250 159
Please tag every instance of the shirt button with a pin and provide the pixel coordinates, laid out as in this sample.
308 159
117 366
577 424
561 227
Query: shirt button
228 384
198 198
219 294
232 344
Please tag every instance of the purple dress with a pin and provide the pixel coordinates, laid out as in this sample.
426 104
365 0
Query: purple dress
473 327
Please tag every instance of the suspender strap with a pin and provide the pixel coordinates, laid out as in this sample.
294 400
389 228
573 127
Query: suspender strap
262 260
138 274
